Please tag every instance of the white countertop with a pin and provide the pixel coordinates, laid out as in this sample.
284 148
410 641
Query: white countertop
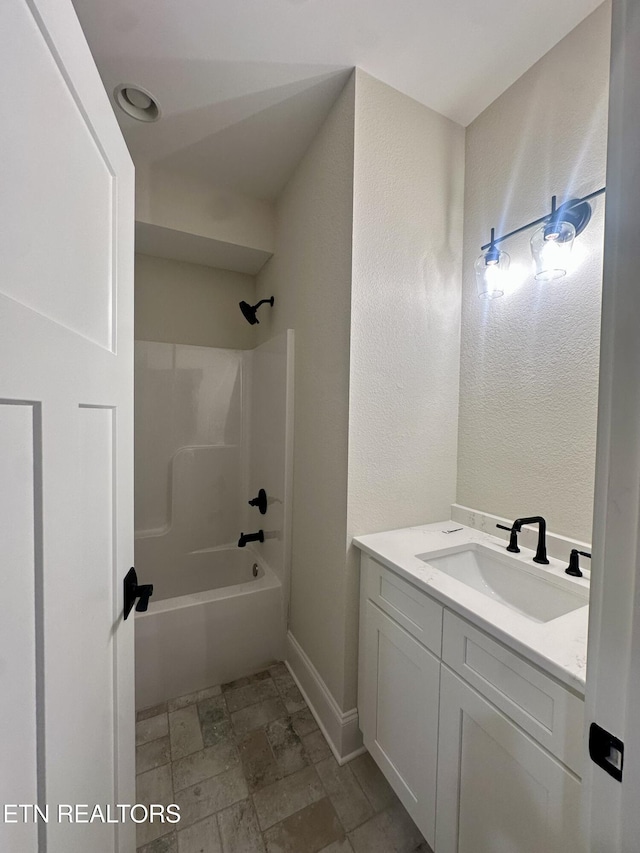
559 646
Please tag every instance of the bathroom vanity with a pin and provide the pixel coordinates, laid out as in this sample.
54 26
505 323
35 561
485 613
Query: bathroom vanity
471 684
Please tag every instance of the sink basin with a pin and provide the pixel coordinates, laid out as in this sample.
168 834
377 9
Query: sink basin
523 589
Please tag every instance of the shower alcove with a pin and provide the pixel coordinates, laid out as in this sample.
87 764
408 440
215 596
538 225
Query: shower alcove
213 426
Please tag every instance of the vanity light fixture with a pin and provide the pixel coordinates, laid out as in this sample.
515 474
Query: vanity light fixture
551 245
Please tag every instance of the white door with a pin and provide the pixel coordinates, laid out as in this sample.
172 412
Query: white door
398 705
66 366
498 790
613 671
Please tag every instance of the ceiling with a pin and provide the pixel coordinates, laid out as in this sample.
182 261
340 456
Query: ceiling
244 85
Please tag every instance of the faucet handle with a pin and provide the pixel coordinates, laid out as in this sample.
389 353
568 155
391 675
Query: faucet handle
573 568
260 502
513 538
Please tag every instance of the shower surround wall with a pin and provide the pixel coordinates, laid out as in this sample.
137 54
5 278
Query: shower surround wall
190 446
212 427
271 449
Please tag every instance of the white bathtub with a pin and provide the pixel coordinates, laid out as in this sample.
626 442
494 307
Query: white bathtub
209 621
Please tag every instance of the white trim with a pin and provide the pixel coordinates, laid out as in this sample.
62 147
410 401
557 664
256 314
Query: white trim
287 525
613 651
557 546
340 728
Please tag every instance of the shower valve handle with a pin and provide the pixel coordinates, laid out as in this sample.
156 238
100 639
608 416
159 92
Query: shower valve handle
260 502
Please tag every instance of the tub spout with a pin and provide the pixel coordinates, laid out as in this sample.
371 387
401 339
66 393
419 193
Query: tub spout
250 537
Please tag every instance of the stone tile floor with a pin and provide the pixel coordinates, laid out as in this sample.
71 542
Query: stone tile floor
252 773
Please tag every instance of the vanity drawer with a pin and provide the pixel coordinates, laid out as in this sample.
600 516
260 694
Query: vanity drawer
549 712
420 615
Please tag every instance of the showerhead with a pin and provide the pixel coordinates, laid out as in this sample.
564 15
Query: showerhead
249 311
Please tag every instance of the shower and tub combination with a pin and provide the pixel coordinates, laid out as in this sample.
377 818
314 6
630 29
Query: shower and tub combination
213 459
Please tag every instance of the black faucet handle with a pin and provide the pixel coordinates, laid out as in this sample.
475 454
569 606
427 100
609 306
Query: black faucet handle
573 568
513 538
260 502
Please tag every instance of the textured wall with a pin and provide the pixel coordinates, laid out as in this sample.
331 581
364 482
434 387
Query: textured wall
405 322
182 303
529 360
310 277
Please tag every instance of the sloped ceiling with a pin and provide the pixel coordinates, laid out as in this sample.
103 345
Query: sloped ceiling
244 85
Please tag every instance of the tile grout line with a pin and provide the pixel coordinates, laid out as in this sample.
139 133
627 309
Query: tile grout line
154 740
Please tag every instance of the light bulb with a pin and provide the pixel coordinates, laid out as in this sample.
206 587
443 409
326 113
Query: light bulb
551 247
491 268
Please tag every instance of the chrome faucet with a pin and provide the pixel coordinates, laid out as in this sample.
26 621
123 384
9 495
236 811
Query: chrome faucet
250 537
516 527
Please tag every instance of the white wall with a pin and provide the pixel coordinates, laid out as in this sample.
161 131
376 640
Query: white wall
405 317
405 310
310 277
529 360
185 303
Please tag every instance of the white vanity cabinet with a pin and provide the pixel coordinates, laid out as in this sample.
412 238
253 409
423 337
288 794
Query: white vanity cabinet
483 749
399 688
498 790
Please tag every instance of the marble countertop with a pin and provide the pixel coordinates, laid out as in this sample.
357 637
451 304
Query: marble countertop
559 646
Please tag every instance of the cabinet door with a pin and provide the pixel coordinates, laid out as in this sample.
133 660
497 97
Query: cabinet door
398 708
498 790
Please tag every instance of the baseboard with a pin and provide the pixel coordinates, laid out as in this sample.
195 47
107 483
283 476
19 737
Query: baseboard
557 546
340 728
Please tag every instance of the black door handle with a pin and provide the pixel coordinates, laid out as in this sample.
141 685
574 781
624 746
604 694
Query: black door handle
133 590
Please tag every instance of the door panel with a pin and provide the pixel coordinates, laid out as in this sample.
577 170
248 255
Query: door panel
498 790
399 715
511 827
19 647
66 466
63 189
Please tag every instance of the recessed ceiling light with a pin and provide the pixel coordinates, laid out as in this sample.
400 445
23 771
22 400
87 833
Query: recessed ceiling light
137 102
